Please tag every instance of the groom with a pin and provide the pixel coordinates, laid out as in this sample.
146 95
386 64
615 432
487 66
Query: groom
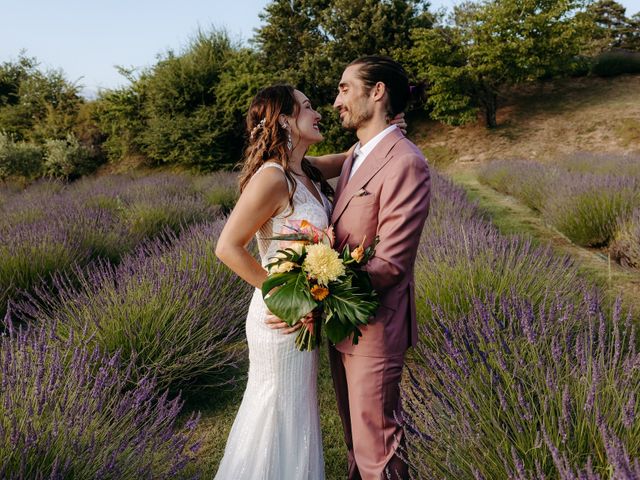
384 191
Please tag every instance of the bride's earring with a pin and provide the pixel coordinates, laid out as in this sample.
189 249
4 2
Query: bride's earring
289 141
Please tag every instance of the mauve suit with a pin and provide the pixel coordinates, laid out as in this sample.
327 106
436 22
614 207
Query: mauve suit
388 196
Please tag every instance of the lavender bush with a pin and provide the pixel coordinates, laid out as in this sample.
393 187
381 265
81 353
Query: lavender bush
529 181
171 305
67 410
30 253
93 218
603 164
461 256
587 208
219 188
584 197
626 245
7 190
525 393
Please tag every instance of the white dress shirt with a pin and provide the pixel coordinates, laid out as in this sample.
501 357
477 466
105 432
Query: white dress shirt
360 153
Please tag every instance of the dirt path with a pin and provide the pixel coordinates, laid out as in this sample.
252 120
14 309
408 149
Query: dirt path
513 217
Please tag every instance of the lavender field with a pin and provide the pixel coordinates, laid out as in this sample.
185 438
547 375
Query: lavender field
118 312
592 199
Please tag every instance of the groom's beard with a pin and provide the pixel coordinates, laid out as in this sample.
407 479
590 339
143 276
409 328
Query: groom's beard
357 115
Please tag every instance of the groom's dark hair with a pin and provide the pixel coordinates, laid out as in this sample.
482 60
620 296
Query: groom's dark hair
378 68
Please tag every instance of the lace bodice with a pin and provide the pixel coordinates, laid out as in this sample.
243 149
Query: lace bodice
305 207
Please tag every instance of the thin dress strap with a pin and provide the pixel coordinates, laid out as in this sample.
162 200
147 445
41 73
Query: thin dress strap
274 225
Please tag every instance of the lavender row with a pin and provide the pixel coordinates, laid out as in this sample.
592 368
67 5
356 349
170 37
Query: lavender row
68 410
171 306
462 256
516 392
584 197
503 326
50 227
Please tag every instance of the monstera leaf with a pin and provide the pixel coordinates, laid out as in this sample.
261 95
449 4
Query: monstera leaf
347 307
288 296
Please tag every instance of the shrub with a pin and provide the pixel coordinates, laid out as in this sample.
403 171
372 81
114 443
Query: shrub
66 159
171 305
587 208
525 393
616 62
19 158
625 247
67 410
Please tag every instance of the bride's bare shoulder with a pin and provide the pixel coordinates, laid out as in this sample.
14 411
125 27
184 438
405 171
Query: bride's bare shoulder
268 186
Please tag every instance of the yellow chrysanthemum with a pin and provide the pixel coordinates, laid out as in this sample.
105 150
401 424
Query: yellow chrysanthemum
323 263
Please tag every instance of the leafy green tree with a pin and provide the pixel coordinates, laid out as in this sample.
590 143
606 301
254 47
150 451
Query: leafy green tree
188 109
491 45
309 42
15 118
35 105
195 103
118 114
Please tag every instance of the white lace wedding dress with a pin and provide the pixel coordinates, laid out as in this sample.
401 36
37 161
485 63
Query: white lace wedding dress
276 433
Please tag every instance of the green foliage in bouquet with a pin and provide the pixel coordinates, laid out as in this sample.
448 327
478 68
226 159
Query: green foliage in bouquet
312 276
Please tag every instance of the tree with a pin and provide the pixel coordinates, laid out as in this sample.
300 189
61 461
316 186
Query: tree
118 114
188 109
35 105
490 46
309 42
613 28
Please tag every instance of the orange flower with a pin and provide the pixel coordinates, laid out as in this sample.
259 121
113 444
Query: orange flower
358 253
319 293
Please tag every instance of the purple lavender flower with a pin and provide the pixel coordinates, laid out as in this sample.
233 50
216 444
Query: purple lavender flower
83 429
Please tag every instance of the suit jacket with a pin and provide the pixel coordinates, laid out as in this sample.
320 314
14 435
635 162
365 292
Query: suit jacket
387 196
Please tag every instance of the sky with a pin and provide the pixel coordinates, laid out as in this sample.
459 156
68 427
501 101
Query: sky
88 39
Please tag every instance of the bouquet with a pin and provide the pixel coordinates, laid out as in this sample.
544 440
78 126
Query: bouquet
308 274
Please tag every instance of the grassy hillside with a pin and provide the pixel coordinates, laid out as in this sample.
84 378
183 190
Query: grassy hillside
543 122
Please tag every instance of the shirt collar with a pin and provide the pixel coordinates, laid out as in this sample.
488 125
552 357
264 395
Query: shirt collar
371 144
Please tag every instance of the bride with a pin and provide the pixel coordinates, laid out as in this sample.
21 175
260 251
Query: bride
276 433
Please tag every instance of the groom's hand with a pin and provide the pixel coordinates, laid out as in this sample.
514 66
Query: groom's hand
276 323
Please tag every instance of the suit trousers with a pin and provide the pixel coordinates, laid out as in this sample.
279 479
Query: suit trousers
368 394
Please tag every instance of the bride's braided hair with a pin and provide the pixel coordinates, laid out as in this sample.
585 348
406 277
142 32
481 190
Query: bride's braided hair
267 139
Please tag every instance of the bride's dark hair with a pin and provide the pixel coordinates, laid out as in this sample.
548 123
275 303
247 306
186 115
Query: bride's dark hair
267 139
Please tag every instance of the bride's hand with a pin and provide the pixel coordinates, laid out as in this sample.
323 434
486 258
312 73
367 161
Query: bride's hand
276 323
400 122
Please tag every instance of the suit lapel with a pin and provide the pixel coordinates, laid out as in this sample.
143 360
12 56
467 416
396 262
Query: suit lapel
377 159
344 175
